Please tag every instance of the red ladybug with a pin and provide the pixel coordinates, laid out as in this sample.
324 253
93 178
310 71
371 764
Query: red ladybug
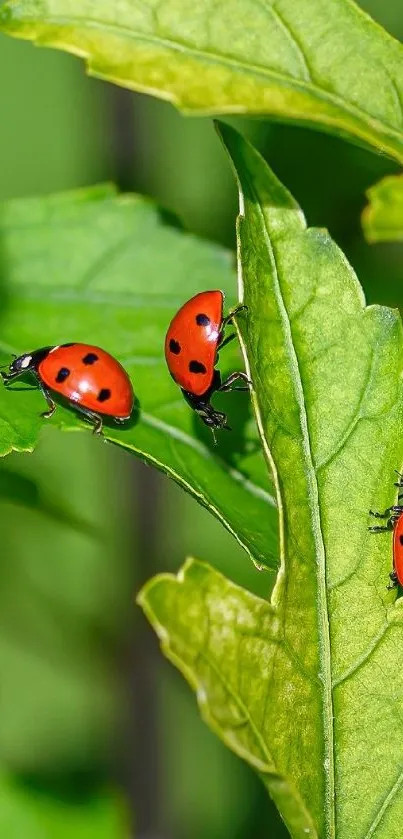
91 380
191 350
394 516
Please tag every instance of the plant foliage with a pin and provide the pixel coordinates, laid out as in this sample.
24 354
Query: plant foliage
317 61
307 686
382 219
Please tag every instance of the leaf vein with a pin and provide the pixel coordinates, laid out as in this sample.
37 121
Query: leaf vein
293 40
384 806
354 422
364 658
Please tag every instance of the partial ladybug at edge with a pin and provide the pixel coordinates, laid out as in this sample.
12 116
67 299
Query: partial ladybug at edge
93 382
394 516
194 337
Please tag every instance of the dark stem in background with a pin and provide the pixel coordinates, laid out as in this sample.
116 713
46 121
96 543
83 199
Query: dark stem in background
143 773
122 134
141 757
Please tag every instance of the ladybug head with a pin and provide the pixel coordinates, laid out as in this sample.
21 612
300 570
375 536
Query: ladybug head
24 363
13 369
21 363
214 419
203 407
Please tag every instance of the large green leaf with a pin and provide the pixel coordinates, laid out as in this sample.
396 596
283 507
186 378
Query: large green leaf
382 219
307 688
323 62
108 270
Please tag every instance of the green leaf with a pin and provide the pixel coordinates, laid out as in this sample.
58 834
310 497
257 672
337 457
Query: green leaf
26 811
326 64
382 219
306 688
108 270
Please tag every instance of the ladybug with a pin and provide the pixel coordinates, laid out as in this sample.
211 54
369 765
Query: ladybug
92 381
194 337
394 516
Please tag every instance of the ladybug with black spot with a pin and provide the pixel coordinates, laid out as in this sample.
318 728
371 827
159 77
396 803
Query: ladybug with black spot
394 516
194 337
91 380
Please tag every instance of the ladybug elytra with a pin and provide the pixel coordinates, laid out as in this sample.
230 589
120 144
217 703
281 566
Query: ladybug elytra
92 381
194 337
394 516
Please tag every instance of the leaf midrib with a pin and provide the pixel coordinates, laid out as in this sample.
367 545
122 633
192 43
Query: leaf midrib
376 124
320 553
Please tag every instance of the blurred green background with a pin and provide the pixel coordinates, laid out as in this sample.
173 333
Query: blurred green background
87 703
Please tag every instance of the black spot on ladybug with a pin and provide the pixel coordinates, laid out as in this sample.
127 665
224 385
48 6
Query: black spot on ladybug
90 358
197 367
62 375
104 394
174 346
202 320
401 538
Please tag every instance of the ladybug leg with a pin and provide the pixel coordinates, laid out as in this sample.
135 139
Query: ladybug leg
227 385
384 515
222 342
399 484
227 320
393 580
98 426
8 377
49 401
94 418
380 529
386 527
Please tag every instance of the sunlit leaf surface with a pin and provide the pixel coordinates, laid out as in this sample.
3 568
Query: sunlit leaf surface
323 62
